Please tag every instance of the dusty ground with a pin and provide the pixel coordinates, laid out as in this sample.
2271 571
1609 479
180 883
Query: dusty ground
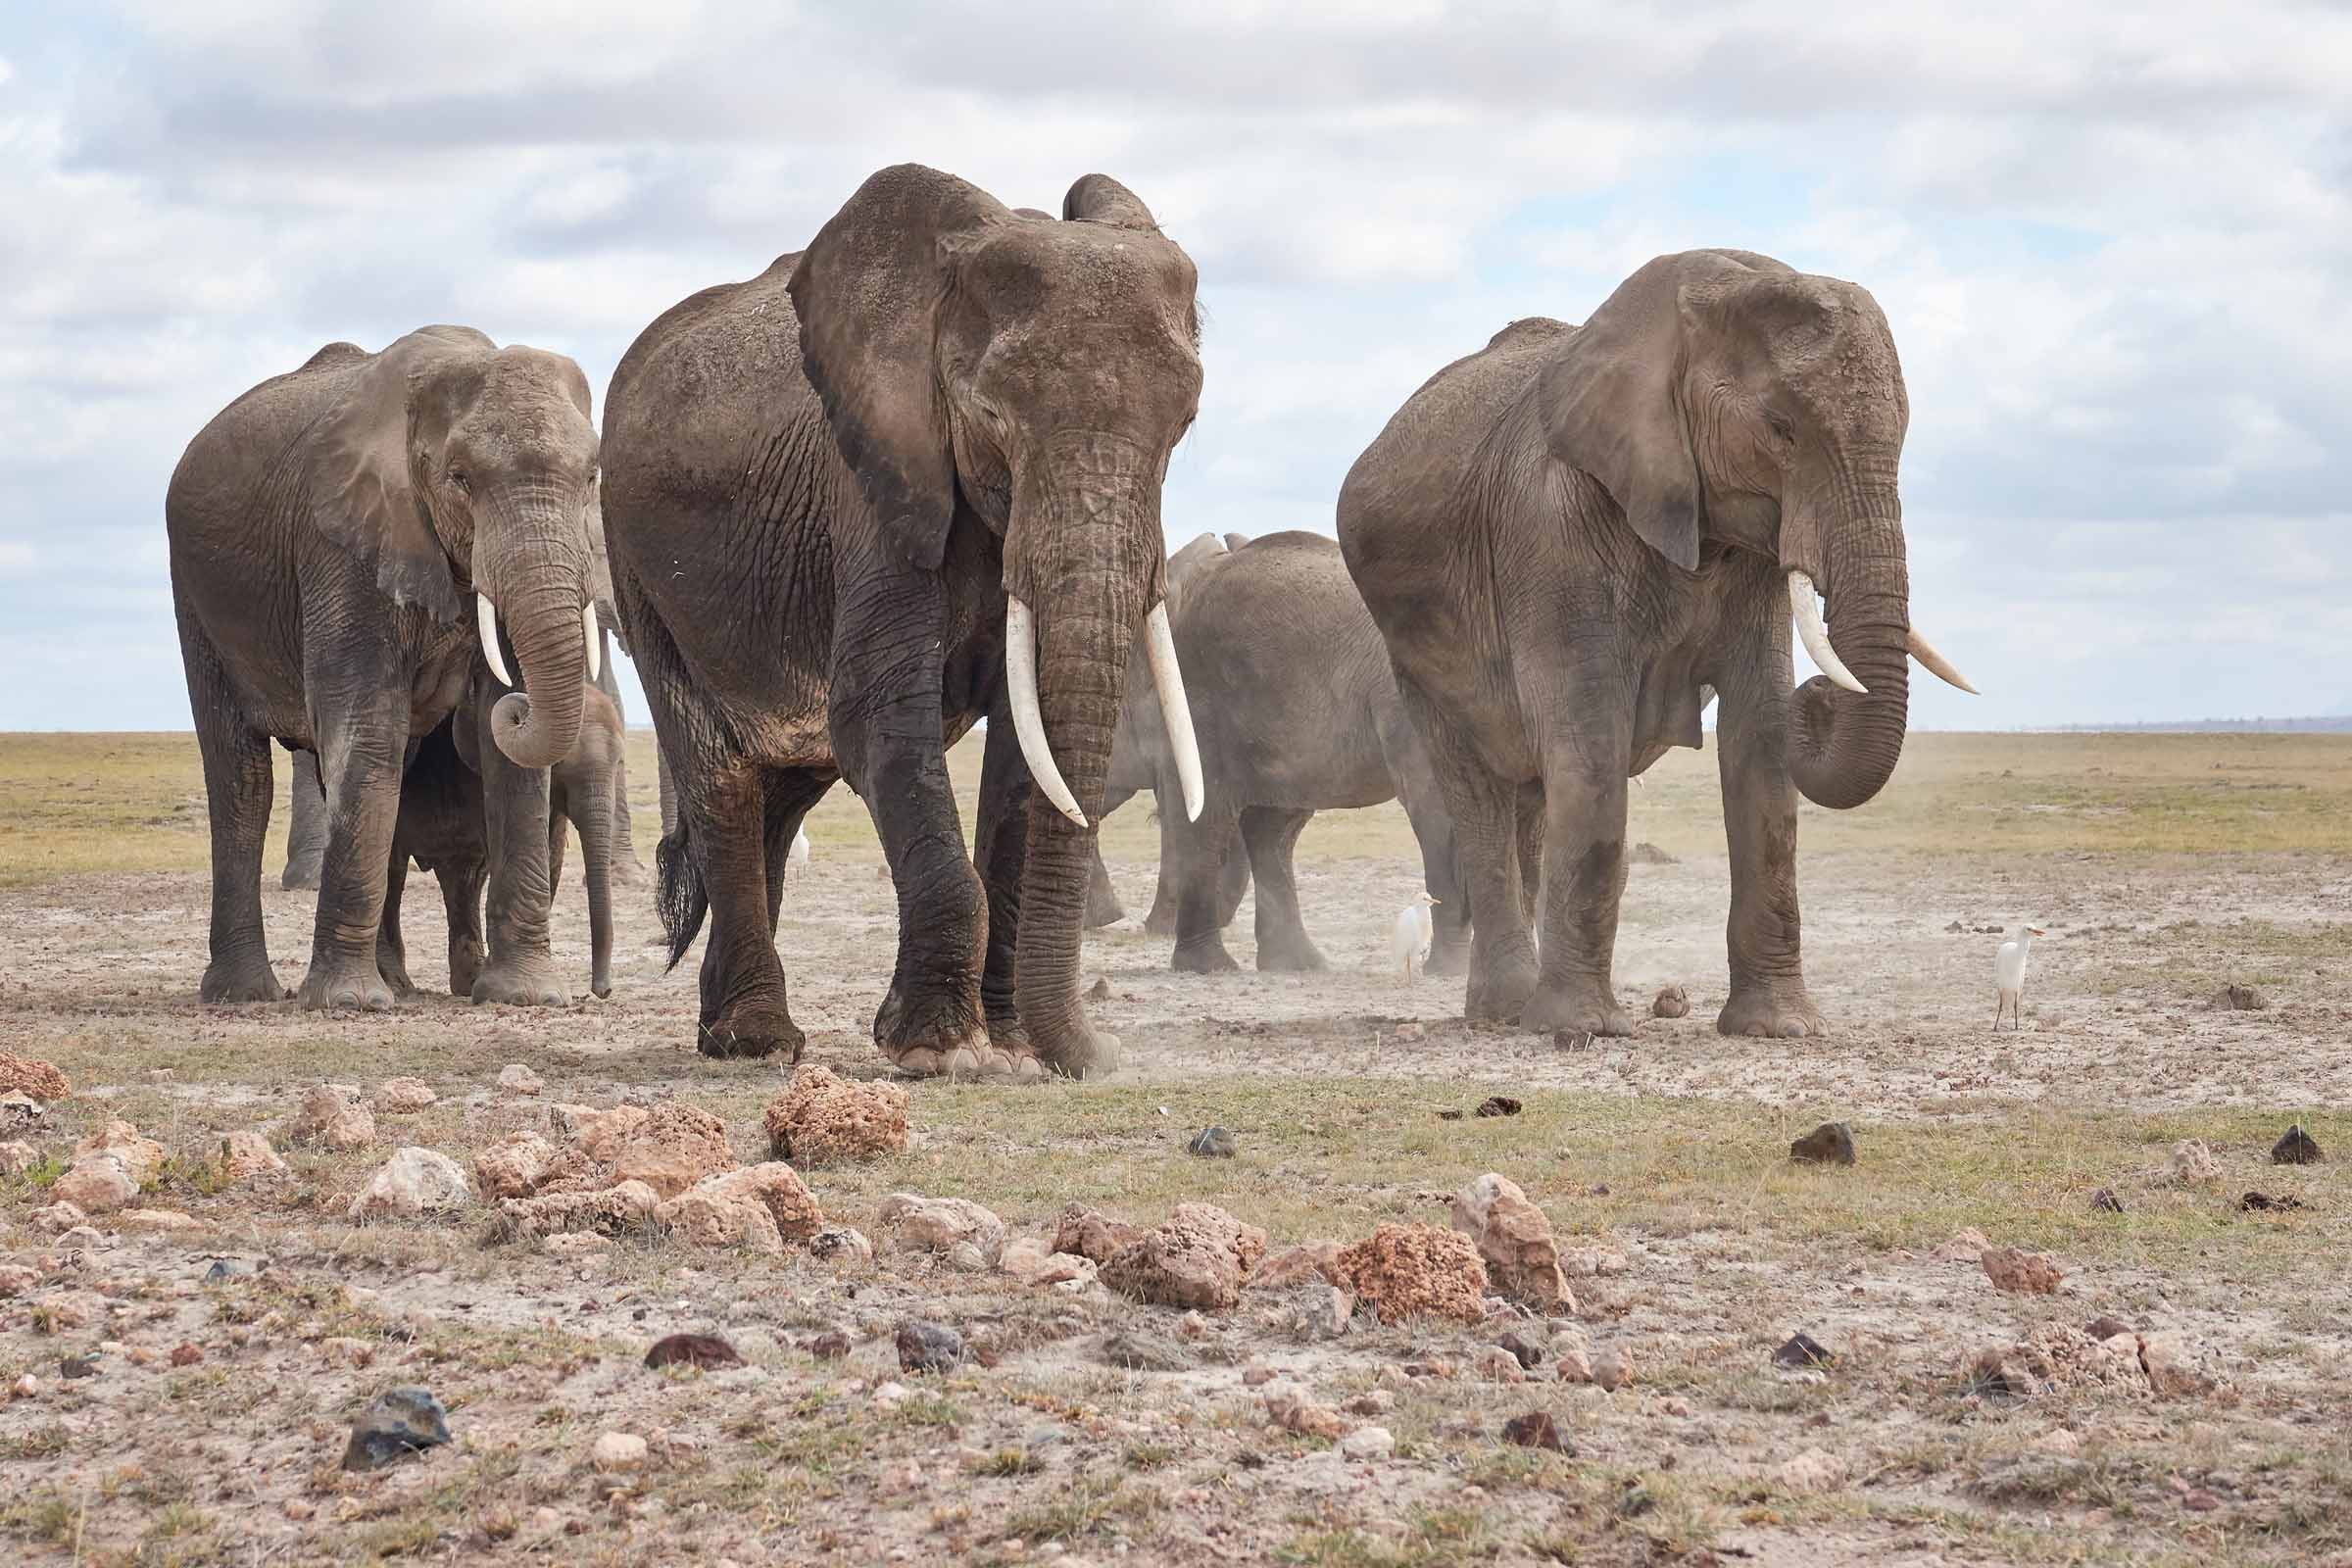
2164 868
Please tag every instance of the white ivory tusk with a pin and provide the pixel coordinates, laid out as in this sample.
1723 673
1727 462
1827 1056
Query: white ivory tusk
1168 679
487 619
1028 723
1938 665
596 644
1816 635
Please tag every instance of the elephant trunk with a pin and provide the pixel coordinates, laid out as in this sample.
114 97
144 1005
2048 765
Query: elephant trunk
1844 744
1084 558
537 580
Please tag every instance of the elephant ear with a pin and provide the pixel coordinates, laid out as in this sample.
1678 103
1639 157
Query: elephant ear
1613 404
365 497
868 292
1101 198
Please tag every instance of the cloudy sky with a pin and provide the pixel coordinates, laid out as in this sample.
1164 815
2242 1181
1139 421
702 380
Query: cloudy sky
2115 244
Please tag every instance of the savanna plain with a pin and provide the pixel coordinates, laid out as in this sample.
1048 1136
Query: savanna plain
2209 1418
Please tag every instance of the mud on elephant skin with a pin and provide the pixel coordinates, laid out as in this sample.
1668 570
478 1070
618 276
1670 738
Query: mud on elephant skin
942 429
1567 535
328 532
1297 712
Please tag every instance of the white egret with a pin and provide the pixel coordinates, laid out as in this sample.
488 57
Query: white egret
1414 932
796 862
2009 972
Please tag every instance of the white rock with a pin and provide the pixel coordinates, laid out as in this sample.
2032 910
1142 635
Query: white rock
516 1079
1368 1442
619 1451
414 1182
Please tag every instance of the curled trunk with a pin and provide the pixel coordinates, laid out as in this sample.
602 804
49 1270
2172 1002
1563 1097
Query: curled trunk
1843 745
538 581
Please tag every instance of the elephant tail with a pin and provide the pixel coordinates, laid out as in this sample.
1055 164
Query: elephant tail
679 895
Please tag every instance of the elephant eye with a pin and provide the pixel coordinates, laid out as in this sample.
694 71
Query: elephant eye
456 476
1783 428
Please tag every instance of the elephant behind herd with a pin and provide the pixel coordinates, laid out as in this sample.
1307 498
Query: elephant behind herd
908 479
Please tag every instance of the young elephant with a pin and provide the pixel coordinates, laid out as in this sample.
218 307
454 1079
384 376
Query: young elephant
1568 536
327 532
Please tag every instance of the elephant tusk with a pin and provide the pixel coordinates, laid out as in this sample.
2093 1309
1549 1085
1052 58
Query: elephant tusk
1938 665
1816 635
1029 724
487 619
1168 679
596 644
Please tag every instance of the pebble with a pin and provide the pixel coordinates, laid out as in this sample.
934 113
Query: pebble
1213 1142
706 1351
1830 1144
1802 1351
2296 1148
618 1452
1367 1443
925 1347
397 1424
1613 1368
516 1079
1535 1429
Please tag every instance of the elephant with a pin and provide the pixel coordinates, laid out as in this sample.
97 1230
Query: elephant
1299 712
904 480
1569 536
325 532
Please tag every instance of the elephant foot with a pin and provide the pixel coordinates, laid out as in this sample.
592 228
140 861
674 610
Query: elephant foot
1447 958
519 983
1207 956
1075 1049
247 980
345 983
464 968
1772 1012
299 875
1500 994
750 1031
1291 956
629 873
1160 922
395 972
1102 908
1582 1009
945 1037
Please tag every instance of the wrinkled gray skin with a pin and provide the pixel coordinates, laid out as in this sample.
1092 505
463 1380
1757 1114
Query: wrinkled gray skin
1567 536
1297 712
445 829
821 485
329 531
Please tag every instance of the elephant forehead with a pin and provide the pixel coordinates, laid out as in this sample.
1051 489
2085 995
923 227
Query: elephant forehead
1066 269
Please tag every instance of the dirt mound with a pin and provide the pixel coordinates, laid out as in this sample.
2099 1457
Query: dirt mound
23 1075
1406 1271
824 1119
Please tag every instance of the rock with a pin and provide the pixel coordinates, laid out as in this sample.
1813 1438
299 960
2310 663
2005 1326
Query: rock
81 1237
1099 990
917 1223
516 1079
615 1210
2265 1204
830 1345
1368 1444
1613 1368
1199 1258
1410 1032
1297 1265
600 1135
1498 1106
1494 1364
245 1156
705 1352
1813 1471
404 1096
15 1279
1830 1144
27 1387
78 1366
1802 1351
1290 1408
2106 1202
2192 1163
1535 1429
1572 1356
1087 1234
925 1347
399 1423
1332 1315
96 1184
1408 1271
143 1157
842 1245
1029 1263
2106 1328
1524 1350
1213 1142
332 1118
1514 1239
158 1221
185 1354
2174 1368
32 1078
343 1351
578 1244
1672 1002
2235 997
16 1157
1138 1351
1967 1246
619 1452
763 1207
824 1119
2057 1440
414 1182
2025 1273
1648 854
2296 1148
675 1147
514 1166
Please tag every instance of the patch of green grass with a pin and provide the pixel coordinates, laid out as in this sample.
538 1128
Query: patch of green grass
1078 1509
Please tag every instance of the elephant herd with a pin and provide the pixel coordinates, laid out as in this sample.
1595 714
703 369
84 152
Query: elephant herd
906 482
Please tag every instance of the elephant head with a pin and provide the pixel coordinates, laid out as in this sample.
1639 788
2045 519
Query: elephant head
461 461
1035 374
1723 399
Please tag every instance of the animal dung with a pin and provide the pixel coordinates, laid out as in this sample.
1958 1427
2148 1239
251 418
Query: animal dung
1498 1106
2265 1204
1213 1142
1672 1002
2106 1202
2235 997
1804 1350
1830 1144
706 1351
1535 1429
2297 1147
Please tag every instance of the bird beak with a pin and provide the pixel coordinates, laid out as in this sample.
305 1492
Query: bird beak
2036 931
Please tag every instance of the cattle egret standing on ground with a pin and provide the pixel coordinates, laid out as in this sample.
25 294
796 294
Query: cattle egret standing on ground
1413 934
796 863
2009 973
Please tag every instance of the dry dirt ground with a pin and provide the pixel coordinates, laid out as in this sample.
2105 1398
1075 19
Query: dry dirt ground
2164 870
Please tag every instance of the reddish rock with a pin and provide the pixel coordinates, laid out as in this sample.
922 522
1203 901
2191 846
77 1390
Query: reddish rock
911 1221
1408 1271
1514 1237
705 1352
1290 1408
824 1119
143 1157
97 1183
185 1354
1307 1263
1089 1234
677 1146
608 1211
245 1156
404 1096
515 1166
31 1077
1200 1258
414 1182
2024 1273
763 1207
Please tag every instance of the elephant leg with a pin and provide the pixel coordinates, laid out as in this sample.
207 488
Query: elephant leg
1161 921
1270 837
391 948
722 812
1200 851
306 833
363 729
792 793
558 817
1102 905
237 785
1001 849
1764 934
520 970
1233 886
462 878
1483 808
1583 880
1530 842
592 798
628 870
